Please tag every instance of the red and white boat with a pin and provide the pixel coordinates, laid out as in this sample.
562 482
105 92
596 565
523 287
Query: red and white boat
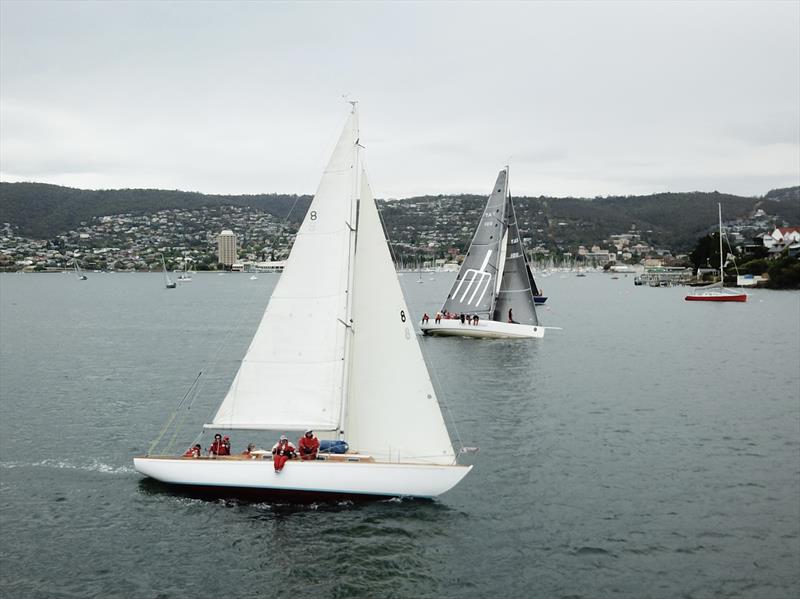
716 292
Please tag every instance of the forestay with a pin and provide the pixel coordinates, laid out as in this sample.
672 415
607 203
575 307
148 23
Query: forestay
393 413
292 375
474 289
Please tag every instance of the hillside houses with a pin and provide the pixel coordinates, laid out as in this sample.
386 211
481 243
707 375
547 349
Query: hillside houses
782 239
135 242
421 231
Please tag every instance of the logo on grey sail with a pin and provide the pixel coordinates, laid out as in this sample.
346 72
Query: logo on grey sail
477 279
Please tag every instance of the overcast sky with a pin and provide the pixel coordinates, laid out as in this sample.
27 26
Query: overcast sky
581 99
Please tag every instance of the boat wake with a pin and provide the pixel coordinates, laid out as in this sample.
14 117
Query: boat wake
93 466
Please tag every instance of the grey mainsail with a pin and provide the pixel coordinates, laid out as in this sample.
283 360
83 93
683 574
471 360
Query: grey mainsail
515 298
474 289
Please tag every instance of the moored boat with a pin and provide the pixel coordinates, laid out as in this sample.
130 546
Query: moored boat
716 292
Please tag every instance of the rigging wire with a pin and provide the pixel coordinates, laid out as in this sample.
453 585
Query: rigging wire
733 258
383 222
173 415
178 415
282 225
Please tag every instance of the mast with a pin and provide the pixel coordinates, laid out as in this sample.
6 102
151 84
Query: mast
721 260
501 262
353 241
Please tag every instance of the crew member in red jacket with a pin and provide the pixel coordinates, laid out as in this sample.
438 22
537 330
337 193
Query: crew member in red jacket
216 446
226 446
193 452
281 452
309 446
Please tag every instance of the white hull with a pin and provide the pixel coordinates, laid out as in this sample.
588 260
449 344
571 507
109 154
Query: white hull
486 329
311 477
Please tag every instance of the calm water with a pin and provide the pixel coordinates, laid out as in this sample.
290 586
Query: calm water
650 449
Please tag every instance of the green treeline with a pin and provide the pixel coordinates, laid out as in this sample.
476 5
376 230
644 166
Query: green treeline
41 210
669 220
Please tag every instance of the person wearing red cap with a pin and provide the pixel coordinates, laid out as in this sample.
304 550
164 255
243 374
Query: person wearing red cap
226 446
308 446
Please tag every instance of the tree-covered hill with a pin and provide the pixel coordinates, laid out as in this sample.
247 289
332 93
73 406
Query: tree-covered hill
669 220
41 210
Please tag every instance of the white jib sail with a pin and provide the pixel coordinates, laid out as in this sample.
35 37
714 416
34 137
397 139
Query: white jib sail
392 412
291 377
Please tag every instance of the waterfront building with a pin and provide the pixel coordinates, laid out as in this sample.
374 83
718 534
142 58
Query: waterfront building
226 247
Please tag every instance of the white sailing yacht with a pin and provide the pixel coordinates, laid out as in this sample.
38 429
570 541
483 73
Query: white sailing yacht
335 352
717 292
495 282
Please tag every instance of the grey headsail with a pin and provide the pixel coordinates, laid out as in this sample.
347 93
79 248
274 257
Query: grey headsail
474 289
515 298
536 291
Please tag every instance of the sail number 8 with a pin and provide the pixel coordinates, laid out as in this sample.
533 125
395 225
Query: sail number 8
402 316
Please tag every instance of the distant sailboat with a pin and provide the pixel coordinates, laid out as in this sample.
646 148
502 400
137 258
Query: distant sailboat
716 292
79 272
186 275
495 281
168 283
335 352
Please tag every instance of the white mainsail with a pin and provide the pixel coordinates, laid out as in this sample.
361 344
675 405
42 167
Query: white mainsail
392 413
292 375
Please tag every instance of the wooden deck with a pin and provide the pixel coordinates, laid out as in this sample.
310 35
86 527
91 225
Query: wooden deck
340 457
